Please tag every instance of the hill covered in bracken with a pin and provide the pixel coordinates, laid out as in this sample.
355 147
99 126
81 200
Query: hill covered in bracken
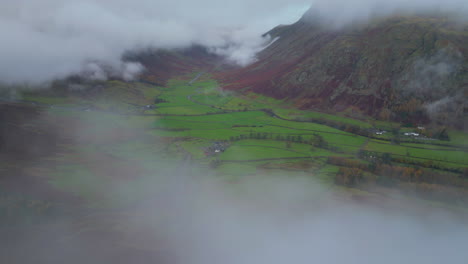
404 68
162 65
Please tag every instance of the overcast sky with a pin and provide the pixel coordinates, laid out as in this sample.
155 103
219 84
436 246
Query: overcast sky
47 39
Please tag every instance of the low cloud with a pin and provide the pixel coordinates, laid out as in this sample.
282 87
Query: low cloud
55 38
430 78
194 219
242 49
101 72
439 105
178 212
51 39
338 13
295 220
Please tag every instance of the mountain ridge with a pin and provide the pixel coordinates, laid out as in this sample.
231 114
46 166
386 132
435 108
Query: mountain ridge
380 68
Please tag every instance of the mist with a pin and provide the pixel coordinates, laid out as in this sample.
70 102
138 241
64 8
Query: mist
192 219
155 208
296 220
339 13
181 212
431 76
53 39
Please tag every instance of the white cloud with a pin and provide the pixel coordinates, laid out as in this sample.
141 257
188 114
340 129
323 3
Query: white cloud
343 12
51 38
277 220
43 40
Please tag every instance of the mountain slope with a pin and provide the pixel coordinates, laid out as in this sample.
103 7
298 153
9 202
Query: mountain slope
162 65
408 67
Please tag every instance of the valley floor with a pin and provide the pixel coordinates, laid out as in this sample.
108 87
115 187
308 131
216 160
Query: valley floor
91 157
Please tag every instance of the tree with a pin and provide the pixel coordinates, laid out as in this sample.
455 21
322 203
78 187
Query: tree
349 177
299 139
319 141
442 134
385 114
386 158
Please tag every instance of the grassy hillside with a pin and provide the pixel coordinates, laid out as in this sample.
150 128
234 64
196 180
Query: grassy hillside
408 69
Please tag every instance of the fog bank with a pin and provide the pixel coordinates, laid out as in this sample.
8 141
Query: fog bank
338 13
149 207
50 39
271 219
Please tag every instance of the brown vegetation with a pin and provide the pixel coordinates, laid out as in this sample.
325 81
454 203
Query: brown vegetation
361 68
429 183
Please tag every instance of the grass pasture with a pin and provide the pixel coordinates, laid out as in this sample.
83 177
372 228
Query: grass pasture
201 112
232 116
413 151
187 121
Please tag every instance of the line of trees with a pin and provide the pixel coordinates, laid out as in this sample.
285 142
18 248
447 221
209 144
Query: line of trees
349 176
389 174
428 164
316 140
426 183
386 158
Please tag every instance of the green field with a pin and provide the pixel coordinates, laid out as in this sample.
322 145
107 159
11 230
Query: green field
419 151
133 144
138 125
